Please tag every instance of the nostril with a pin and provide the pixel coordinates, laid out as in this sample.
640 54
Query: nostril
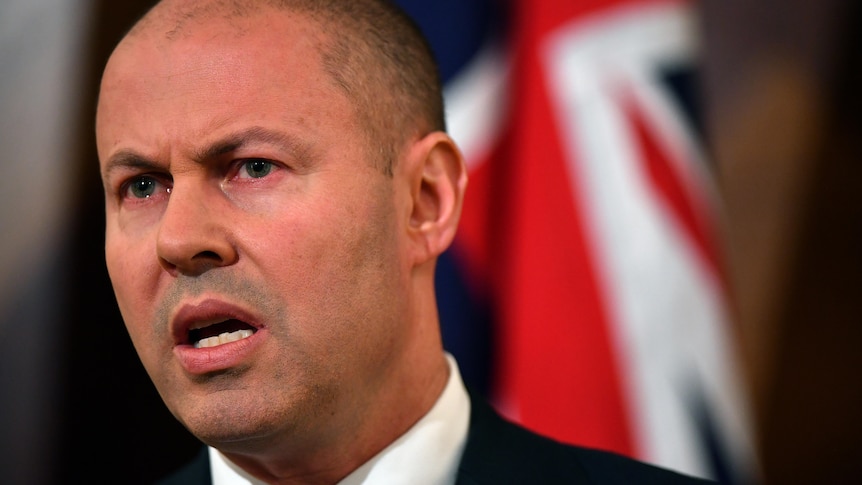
208 255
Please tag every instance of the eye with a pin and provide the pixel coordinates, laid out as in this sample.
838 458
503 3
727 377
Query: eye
142 187
255 168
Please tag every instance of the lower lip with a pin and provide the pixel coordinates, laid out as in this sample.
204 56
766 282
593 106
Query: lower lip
219 358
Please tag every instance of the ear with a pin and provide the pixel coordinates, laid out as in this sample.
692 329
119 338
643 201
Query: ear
438 179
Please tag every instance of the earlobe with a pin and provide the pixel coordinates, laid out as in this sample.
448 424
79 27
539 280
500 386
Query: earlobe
439 182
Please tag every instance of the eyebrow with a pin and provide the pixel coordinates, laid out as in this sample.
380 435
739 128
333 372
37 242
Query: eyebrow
128 159
255 135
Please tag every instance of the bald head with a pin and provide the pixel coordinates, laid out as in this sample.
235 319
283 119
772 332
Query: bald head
370 49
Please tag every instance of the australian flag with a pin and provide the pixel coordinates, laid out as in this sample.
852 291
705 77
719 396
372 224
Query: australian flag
585 293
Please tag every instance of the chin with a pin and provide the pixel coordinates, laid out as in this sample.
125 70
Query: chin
231 433
234 422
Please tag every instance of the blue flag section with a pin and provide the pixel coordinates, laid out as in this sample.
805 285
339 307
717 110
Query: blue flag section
456 29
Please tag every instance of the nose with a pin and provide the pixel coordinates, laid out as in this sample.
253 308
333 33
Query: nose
193 237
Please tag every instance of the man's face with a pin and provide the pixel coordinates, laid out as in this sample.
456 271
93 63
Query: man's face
240 200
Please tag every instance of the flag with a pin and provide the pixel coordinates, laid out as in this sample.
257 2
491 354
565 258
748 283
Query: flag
585 294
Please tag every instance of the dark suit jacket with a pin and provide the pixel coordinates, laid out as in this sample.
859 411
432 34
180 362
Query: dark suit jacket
499 452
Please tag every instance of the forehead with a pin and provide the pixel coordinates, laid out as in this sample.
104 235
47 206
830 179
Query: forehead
172 44
164 81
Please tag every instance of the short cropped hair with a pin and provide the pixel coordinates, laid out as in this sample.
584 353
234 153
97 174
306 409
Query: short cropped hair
372 50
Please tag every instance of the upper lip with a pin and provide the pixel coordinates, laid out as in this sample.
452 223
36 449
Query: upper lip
191 316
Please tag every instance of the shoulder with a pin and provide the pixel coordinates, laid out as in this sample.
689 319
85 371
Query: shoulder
606 467
501 452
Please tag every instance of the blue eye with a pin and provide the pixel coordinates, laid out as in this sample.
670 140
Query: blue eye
257 167
142 187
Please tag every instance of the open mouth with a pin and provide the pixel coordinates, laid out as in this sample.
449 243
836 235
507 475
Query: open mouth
220 333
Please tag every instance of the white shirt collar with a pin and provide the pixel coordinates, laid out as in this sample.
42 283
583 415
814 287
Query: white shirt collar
427 454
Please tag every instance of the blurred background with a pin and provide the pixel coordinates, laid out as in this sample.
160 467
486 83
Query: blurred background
660 253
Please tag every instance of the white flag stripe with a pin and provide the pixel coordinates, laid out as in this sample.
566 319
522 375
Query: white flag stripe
476 103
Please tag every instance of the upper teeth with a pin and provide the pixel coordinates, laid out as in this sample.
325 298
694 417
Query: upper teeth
223 338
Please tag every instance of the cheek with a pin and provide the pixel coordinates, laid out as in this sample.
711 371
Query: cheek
307 262
133 269
332 264
339 246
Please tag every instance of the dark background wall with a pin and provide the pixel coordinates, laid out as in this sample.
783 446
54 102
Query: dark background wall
782 94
